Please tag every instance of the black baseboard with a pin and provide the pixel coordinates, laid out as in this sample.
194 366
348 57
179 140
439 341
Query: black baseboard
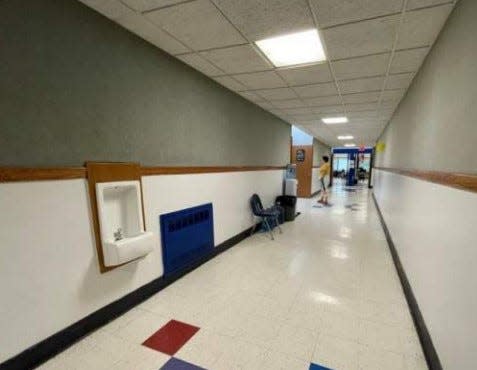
51 346
428 348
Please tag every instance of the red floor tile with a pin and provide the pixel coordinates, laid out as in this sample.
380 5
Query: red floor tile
171 337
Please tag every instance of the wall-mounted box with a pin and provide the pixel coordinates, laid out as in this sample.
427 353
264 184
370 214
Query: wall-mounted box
118 213
121 224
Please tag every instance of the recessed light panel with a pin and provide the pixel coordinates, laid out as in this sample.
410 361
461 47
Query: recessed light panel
349 145
345 137
334 120
293 49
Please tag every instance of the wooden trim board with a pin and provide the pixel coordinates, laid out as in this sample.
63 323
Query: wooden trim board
17 174
14 174
158 170
460 181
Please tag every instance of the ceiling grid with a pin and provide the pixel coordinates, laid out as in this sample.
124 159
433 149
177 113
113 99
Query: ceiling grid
374 48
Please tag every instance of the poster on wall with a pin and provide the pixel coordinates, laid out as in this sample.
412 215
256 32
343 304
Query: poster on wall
300 155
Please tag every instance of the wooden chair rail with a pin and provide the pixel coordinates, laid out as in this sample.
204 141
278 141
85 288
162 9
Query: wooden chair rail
463 181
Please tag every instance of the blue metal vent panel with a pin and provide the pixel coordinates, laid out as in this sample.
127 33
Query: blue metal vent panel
187 235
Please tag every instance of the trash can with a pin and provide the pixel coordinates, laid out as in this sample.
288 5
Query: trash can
288 202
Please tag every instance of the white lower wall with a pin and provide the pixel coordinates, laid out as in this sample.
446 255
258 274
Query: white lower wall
229 192
49 275
434 228
315 180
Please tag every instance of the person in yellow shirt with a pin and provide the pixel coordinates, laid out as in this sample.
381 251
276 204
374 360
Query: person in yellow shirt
323 172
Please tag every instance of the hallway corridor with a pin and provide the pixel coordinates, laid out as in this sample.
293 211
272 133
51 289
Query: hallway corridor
324 292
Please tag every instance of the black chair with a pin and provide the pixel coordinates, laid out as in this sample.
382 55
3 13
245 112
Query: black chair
264 214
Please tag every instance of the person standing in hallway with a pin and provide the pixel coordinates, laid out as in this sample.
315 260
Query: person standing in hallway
323 172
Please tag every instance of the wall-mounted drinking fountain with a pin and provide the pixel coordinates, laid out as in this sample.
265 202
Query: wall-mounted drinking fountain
123 237
117 213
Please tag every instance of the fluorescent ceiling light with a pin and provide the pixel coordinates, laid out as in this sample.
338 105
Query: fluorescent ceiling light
350 145
345 137
293 49
333 120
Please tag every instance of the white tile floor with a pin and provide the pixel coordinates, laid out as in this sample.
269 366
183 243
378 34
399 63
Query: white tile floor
325 291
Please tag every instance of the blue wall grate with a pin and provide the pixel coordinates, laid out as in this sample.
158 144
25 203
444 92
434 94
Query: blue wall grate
187 235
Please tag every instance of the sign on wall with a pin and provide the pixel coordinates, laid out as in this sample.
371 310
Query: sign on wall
300 155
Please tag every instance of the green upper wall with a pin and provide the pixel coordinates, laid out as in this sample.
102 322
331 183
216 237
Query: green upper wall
435 127
75 86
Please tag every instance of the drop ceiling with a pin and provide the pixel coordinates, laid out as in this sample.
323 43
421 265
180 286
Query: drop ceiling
374 49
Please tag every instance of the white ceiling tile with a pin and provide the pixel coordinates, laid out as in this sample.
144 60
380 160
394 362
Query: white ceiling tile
139 25
371 65
311 91
310 125
329 109
230 83
199 63
112 9
357 122
278 113
386 120
361 38
366 128
277 94
367 97
389 105
198 24
361 107
421 27
323 101
408 60
308 122
259 19
386 112
299 110
363 133
144 5
237 59
332 12
414 4
366 114
361 85
250 95
399 81
307 75
265 105
302 117
291 103
393 94
385 117
261 80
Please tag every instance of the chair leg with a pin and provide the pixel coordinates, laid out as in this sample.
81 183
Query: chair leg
268 227
278 225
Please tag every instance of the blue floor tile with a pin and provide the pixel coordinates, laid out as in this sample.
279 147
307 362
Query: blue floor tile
176 364
318 367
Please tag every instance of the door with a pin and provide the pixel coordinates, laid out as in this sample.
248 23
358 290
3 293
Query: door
302 156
